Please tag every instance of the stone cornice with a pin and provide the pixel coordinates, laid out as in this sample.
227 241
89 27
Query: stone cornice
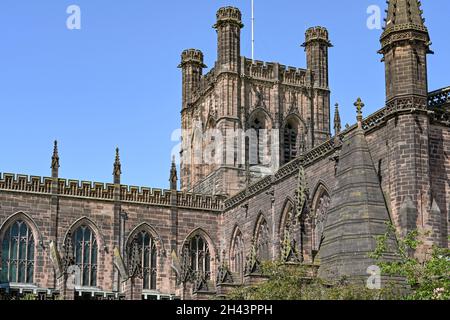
105 192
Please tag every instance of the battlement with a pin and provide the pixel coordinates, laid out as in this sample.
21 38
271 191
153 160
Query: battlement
317 34
192 56
205 84
9 181
102 191
271 71
229 15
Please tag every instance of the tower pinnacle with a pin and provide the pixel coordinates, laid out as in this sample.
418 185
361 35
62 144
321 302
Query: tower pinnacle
55 161
173 175
405 43
117 167
337 120
55 157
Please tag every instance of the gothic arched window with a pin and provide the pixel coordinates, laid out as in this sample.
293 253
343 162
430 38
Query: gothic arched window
263 241
320 218
17 254
237 255
256 143
291 239
200 257
290 142
85 255
142 256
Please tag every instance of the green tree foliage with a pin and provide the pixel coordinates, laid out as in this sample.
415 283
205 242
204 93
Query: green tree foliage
297 282
429 277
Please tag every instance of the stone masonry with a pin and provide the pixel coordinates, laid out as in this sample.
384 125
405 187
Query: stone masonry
320 200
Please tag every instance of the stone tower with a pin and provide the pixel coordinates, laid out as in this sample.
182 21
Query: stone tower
405 45
264 114
316 47
228 27
192 70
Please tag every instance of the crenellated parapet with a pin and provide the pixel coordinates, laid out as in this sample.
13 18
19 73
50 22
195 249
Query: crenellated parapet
229 15
275 72
206 83
294 76
18 182
192 56
317 34
105 192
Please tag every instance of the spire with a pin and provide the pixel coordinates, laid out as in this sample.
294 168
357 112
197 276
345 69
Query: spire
117 167
173 175
55 161
337 120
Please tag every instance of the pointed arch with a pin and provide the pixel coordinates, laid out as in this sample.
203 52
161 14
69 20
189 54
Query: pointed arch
147 227
20 215
18 237
262 238
290 233
198 252
294 136
144 248
261 113
211 122
196 153
320 204
287 206
82 246
320 186
257 140
91 224
237 253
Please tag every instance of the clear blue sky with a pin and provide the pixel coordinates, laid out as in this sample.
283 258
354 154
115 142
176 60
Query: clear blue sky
115 82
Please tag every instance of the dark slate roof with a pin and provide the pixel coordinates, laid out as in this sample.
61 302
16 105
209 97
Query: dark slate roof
357 213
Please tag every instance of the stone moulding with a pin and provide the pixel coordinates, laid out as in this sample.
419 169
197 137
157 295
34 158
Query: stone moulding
105 192
439 98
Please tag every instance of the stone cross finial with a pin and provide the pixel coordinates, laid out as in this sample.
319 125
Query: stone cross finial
359 106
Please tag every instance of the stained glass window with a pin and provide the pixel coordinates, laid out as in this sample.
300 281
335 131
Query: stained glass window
200 256
85 255
17 254
290 142
263 241
143 253
237 255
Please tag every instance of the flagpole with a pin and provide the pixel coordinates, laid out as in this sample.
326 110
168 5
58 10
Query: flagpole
253 30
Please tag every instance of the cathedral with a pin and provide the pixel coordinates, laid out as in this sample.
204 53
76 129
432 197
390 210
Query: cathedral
262 177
